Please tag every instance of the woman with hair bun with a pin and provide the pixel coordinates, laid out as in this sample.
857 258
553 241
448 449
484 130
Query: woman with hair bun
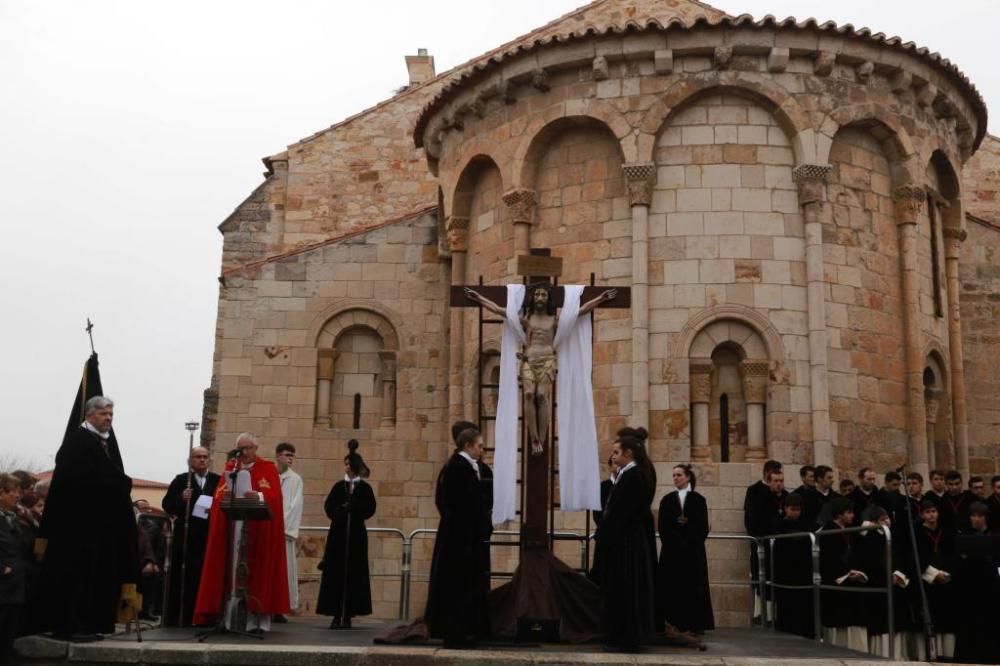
345 588
682 593
627 563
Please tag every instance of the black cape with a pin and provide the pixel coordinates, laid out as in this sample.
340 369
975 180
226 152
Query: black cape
793 566
977 640
92 545
627 569
607 485
837 556
870 549
937 548
197 538
682 592
457 599
345 560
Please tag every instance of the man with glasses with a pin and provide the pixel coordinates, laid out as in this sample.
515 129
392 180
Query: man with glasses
291 497
190 525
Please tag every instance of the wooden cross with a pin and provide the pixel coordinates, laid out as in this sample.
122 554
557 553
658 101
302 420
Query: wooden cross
539 266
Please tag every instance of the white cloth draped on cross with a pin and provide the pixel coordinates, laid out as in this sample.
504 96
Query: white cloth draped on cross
579 466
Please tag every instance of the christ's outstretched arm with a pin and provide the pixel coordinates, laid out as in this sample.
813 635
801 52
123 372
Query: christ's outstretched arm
606 295
475 296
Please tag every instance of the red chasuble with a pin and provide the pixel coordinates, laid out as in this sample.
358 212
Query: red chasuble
267 592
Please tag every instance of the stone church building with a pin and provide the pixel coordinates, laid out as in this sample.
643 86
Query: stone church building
805 215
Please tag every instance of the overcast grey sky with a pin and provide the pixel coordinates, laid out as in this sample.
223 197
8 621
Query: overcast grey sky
131 129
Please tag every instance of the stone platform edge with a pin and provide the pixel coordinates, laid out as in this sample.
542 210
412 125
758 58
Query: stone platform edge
40 650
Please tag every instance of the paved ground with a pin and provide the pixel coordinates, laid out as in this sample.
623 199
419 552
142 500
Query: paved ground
305 642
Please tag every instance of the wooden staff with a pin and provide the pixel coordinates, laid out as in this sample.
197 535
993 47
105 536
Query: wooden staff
184 549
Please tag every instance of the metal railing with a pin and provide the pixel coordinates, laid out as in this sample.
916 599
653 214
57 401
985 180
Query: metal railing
817 580
769 613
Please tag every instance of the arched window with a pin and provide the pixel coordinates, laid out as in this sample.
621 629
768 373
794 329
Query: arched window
935 258
356 371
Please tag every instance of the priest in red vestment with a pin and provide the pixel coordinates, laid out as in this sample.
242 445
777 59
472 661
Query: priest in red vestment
267 585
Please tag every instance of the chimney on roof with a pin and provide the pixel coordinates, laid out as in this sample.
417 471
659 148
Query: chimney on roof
420 67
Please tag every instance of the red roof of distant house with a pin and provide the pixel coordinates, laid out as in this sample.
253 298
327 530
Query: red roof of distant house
141 483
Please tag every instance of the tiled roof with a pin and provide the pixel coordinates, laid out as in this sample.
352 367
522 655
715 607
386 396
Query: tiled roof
604 14
741 21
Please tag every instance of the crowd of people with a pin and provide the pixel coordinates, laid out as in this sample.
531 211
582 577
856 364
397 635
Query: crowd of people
945 558
75 574
75 578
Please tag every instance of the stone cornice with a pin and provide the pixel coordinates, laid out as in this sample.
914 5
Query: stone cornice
867 54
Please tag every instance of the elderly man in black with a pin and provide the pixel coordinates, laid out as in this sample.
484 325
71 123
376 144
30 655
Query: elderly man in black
181 502
91 556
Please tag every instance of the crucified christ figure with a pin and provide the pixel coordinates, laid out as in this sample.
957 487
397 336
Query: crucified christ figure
538 360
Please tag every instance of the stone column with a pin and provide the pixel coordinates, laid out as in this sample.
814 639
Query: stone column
520 203
640 179
931 405
388 388
326 361
458 243
811 181
909 203
755 374
952 249
701 396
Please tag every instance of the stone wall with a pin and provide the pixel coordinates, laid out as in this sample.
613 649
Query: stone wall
980 301
273 321
864 307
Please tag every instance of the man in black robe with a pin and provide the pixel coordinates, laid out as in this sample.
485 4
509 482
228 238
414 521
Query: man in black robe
954 506
936 550
807 474
841 613
765 511
185 562
457 600
754 492
993 503
814 513
978 579
88 527
870 548
793 566
865 494
888 496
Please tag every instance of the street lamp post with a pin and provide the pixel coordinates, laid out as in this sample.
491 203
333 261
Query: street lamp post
191 427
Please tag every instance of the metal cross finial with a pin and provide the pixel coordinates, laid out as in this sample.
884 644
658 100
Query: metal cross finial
90 333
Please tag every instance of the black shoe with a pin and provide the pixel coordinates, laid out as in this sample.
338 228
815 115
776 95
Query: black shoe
149 617
280 619
256 631
346 624
612 649
335 623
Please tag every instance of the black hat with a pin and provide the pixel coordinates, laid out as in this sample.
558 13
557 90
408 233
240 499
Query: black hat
355 461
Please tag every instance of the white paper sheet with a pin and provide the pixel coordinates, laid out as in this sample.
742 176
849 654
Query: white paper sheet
202 506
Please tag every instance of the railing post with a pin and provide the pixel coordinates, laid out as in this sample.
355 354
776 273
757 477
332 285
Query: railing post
770 581
404 578
761 577
890 584
817 580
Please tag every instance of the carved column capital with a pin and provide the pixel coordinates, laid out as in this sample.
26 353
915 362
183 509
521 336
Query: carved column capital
458 234
811 182
640 178
953 239
388 365
932 403
755 375
909 201
701 382
326 360
520 201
